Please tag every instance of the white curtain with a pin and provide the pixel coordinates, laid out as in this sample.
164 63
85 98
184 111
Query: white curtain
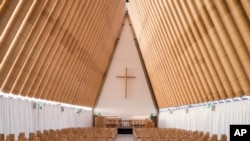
20 116
204 119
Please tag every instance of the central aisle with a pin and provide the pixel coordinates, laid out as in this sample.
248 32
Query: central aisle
124 137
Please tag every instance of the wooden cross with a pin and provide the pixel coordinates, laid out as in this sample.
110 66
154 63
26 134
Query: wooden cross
126 77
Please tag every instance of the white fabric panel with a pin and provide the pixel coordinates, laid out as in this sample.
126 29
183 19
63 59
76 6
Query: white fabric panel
204 119
19 116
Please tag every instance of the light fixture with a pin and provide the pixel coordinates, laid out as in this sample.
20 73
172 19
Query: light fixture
229 100
24 98
206 104
236 99
245 97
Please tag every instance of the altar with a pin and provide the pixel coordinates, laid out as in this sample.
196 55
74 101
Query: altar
125 126
117 122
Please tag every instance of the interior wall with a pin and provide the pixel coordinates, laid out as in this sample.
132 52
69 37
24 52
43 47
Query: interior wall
22 116
112 101
204 119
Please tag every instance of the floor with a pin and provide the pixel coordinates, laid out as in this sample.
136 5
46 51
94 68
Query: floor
124 137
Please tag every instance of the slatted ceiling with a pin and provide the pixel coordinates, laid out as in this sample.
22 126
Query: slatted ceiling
117 18
193 50
205 58
242 23
40 71
212 64
20 59
241 20
238 46
72 67
93 65
246 7
178 67
187 69
178 71
62 50
6 10
78 75
187 66
13 51
195 53
162 52
205 67
189 72
39 60
135 25
36 50
221 53
61 95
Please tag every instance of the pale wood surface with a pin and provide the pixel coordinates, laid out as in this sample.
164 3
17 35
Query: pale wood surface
57 50
194 51
126 76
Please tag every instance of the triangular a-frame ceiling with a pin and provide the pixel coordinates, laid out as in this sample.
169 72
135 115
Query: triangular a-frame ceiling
194 51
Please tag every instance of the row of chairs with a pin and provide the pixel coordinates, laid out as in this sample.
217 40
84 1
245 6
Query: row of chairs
173 134
68 134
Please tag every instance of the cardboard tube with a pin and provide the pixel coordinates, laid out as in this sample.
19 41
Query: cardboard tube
241 20
246 6
238 45
11 41
217 64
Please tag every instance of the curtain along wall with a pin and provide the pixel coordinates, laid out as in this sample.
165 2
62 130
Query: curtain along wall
203 118
22 116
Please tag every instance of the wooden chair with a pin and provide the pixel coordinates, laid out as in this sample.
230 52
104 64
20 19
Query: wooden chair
46 132
1 137
102 139
212 138
145 139
21 137
32 136
10 137
38 133
89 139
204 137
223 137
62 139
42 138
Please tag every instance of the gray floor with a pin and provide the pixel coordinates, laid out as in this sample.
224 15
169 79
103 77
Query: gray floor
124 137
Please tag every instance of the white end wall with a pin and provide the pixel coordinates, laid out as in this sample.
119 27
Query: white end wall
112 101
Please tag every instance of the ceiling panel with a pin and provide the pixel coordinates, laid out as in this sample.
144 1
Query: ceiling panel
57 50
196 50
